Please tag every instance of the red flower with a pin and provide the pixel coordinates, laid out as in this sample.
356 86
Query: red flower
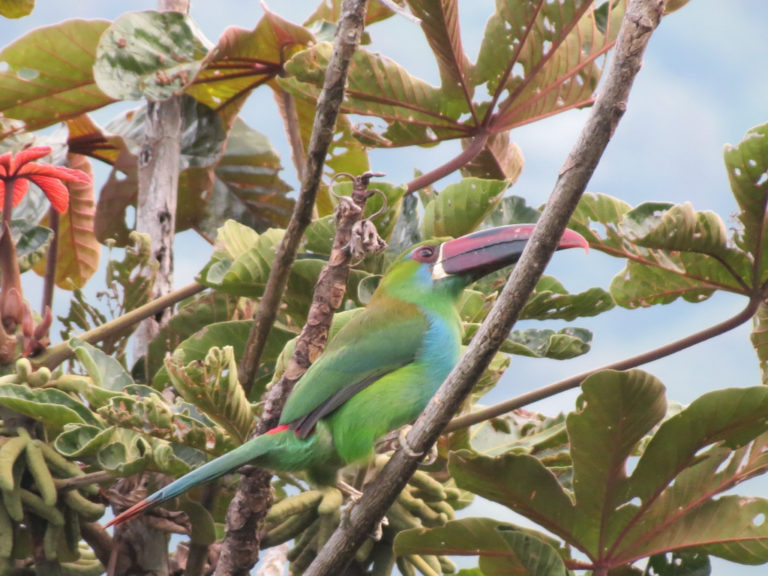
21 169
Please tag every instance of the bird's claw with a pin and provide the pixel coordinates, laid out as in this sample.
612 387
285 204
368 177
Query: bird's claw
431 454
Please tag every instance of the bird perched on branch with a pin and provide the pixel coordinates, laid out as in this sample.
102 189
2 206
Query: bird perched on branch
380 370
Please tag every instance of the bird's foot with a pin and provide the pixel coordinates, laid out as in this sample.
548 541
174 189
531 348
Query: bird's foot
378 530
352 493
431 454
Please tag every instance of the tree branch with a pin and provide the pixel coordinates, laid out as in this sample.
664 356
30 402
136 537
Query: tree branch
240 547
57 354
347 39
572 382
460 160
641 19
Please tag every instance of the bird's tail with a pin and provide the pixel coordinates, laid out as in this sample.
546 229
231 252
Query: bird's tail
244 454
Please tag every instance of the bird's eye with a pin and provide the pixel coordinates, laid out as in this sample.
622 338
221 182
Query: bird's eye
425 254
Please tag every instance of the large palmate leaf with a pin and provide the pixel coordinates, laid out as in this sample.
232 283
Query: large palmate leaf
670 502
672 250
417 113
503 548
150 54
245 59
49 76
538 58
747 165
78 250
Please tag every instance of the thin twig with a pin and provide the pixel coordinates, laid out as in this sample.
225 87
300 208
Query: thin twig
85 479
49 281
627 363
641 19
240 547
61 352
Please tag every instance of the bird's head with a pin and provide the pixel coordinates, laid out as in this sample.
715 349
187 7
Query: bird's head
449 265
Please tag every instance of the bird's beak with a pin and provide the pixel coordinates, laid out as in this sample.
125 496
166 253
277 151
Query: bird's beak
485 251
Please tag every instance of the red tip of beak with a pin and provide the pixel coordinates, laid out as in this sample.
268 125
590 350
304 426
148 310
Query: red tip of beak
126 515
571 239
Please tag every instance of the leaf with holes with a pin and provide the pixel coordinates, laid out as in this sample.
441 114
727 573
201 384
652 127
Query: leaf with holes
540 58
244 60
671 502
747 165
150 54
416 112
503 548
78 250
49 74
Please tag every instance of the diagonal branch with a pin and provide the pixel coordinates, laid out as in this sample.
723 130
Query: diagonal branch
328 104
240 547
639 22
627 363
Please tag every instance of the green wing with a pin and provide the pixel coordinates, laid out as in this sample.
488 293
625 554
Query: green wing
383 338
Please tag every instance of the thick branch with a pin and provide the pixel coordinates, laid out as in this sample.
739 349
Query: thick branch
641 19
240 547
627 363
57 354
345 43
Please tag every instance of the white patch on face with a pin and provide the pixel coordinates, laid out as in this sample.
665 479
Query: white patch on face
438 271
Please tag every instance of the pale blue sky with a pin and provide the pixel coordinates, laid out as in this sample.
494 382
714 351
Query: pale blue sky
703 85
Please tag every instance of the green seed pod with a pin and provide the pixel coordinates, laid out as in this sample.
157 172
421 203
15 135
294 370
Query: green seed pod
38 468
9 452
306 538
291 506
39 378
428 488
289 529
23 369
332 500
405 567
423 566
12 504
34 504
383 559
72 532
90 511
51 541
6 530
447 565
364 551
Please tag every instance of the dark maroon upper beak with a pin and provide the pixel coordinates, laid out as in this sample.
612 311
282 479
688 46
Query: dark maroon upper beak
485 251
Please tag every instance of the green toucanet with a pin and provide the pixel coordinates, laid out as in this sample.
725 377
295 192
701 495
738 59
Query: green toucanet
380 370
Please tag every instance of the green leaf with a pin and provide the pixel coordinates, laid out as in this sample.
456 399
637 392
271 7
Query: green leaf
747 166
212 386
32 246
542 343
539 58
191 316
671 502
105 370
247 185
16 8
461 207
672 250
41 90
678 564
550 301
500 159
416 112
245 59
52 407
512 210
235 334
759 338
503 548
440 23
150 54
